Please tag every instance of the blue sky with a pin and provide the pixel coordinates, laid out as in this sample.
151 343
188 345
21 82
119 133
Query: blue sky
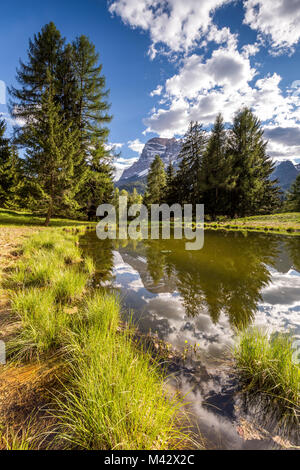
169 61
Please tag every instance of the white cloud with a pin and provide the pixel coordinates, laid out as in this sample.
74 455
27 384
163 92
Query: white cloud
113 146
157 92
135 145
178 24
278 20
226 82
201 89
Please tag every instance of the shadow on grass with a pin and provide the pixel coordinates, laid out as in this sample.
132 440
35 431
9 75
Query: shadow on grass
12 218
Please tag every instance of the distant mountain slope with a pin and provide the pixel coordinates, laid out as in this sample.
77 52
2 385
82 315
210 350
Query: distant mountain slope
168 149
286 173
136 175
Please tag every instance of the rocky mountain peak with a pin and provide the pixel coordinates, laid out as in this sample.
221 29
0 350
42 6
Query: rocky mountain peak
167 149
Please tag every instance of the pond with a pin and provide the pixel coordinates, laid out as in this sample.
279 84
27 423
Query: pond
197 300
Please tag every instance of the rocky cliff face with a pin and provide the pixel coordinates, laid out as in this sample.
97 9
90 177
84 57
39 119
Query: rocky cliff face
167 149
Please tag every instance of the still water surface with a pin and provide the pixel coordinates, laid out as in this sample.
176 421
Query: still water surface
200 299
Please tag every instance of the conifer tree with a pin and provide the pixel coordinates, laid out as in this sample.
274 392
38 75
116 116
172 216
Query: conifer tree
43 59
191 155
293 197
171 190
10 168
253 192
156 182
92 108
215 176
135 198
50 157
78 89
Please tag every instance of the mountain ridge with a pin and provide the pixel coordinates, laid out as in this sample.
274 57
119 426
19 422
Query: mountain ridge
168 149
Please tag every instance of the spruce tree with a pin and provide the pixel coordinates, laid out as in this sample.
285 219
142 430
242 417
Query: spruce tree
92 108
191 155
43 59
293 197
215 176
90 116
50 156
171 190
98 187
135 198
78 88
156 182
253 192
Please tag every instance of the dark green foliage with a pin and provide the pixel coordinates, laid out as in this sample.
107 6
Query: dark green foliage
156 184
171 190
79 103
10 168
52 146
253 191
293 198
191 155
43 60
216 178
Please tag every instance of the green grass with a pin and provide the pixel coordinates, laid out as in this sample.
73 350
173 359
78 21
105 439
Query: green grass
267 366
69 285
112 394
116 397
45 279
286 223
42 325
13 218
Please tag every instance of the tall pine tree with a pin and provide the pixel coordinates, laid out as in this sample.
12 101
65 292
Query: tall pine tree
254 192
191 155
293 197
156 183
52 145
215 177
78 89
10 169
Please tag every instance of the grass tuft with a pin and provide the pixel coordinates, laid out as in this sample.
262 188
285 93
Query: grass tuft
268 366
116 398
42 324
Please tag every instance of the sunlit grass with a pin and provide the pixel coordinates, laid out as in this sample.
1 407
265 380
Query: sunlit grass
69 285
268 366
42 324
116 397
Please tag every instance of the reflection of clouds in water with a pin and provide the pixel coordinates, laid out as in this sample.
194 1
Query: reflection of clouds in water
280 309
165 313
125 276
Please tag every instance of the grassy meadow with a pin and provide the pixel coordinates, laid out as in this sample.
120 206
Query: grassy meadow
75 375
106 392
285 223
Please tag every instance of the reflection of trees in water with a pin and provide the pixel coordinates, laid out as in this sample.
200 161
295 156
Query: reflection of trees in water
227 275
102 254
156 260
293 247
